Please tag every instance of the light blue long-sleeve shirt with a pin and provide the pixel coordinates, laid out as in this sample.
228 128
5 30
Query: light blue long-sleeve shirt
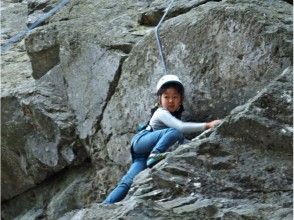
162 119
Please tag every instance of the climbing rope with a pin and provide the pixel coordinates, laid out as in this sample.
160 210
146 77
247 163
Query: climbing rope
19 36
158 38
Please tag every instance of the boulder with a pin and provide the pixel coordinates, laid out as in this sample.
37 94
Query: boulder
37 135
224 53
222 176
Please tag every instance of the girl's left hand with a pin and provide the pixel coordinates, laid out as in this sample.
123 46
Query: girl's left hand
213 123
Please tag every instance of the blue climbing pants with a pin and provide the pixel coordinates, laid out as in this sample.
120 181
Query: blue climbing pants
143 144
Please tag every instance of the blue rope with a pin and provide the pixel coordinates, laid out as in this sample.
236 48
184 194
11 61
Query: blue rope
19 36
158 38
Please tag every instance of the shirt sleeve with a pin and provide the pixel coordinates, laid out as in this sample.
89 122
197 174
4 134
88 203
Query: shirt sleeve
186 127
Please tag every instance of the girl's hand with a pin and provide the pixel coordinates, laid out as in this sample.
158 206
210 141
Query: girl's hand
213 123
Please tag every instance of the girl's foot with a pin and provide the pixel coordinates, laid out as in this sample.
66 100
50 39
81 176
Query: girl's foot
155 158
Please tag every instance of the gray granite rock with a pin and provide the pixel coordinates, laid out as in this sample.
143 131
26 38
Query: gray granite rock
74 91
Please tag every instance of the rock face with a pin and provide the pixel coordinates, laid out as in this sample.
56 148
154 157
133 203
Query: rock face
215 83
231 174
75 89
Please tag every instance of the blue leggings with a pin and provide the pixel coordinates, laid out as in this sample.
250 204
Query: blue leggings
143 144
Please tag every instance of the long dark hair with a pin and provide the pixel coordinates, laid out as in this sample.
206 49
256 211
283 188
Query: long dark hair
180 89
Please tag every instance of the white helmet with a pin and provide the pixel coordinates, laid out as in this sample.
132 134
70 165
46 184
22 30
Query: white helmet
168 79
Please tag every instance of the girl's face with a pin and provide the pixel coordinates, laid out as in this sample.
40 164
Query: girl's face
171 99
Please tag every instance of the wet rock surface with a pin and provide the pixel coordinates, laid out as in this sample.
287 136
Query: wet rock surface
74 90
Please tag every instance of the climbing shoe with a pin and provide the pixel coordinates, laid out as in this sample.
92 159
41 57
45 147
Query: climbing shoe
154 159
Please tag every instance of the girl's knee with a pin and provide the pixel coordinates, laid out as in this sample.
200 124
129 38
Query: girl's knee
126 181
176 133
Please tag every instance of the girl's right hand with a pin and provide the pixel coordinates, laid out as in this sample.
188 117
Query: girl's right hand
213 123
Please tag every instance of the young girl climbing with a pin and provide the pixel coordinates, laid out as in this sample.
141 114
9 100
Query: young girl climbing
164 129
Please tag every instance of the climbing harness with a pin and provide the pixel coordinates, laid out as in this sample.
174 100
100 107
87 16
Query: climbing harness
158 38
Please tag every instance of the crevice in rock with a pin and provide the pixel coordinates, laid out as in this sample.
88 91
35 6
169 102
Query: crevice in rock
152 17
33 195
270 191
289 1
125 48
44 60
53 178
34 6
111 91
